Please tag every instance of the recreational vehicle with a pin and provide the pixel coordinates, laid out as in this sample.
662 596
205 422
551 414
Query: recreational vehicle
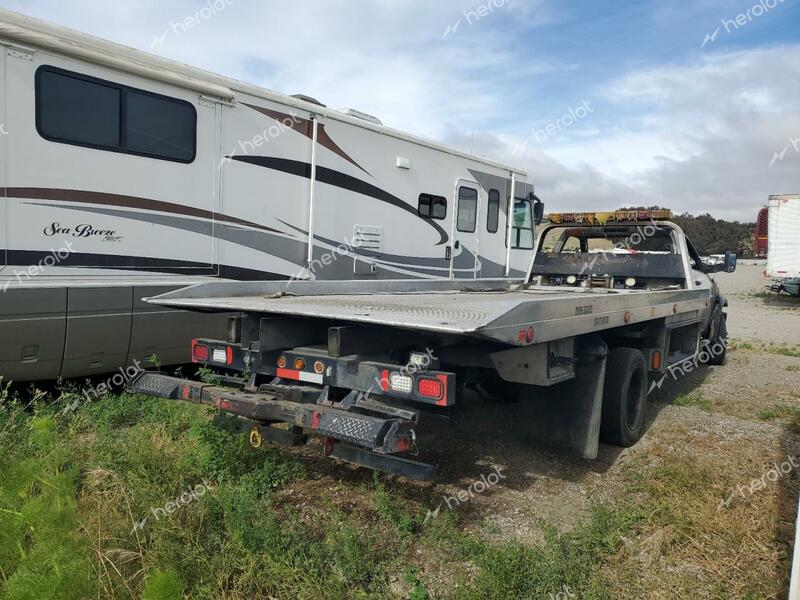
125 175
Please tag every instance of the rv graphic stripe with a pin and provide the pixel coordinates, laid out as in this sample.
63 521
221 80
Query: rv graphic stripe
88 260
306 127
87 197
340 180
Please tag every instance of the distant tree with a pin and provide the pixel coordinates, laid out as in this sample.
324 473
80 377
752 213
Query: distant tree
713 236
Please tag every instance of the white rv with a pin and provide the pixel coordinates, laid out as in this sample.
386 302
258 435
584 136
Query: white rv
124 175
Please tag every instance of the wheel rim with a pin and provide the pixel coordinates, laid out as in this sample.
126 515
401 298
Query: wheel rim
632 405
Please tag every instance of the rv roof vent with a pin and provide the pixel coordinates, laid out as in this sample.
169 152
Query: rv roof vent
305 98
361 115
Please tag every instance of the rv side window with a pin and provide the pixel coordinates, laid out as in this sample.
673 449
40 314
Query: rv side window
85 111
467 209
159 126
77 111
493 214
522 233
432 207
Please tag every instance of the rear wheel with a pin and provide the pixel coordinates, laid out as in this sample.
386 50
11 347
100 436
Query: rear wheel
717 342
624 397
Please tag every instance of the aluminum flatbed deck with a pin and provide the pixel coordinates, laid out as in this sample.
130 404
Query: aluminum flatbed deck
501 310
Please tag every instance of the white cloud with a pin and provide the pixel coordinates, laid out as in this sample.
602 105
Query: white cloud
697 136
384 57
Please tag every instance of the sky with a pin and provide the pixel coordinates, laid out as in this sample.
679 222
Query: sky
689 104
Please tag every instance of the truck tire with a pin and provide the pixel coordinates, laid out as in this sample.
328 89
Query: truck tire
717 348
624 397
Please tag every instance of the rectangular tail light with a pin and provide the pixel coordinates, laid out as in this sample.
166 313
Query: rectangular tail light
430 388
199 352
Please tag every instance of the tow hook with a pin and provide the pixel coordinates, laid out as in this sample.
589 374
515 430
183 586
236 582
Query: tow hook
255 437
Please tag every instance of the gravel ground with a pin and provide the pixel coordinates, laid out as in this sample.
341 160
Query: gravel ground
756 315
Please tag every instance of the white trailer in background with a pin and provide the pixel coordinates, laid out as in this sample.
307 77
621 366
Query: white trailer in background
783 259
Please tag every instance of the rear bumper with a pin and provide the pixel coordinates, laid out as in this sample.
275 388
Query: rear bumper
367 431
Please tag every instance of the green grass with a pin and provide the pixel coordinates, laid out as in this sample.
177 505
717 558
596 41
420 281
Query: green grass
42 554
697 400
163 585
794 352
571 561
770 348
789 414
392 511
74 485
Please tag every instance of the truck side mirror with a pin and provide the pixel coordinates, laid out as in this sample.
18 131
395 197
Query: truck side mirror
538 209
730 262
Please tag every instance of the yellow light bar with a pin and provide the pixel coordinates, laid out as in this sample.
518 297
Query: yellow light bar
601 218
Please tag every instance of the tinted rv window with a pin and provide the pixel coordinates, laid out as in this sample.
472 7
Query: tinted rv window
432 207
85 111
159 126
493 214
78 111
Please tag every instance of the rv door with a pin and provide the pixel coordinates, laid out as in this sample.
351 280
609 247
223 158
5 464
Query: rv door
464 231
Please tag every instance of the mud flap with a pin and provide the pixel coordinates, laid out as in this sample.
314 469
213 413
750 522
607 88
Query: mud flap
567 415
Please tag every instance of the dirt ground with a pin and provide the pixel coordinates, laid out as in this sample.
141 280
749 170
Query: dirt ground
754 314
729 423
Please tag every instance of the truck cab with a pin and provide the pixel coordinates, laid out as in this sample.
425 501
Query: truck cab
627 251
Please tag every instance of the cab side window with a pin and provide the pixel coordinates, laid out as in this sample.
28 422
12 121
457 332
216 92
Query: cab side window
522 237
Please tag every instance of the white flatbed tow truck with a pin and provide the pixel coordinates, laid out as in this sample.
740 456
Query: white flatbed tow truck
610 300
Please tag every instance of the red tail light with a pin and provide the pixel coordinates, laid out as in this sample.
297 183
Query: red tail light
385 380
199 352
430 388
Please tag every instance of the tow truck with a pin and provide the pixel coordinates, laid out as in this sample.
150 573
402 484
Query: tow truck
610 301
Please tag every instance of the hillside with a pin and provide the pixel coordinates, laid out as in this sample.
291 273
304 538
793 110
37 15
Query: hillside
713 236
